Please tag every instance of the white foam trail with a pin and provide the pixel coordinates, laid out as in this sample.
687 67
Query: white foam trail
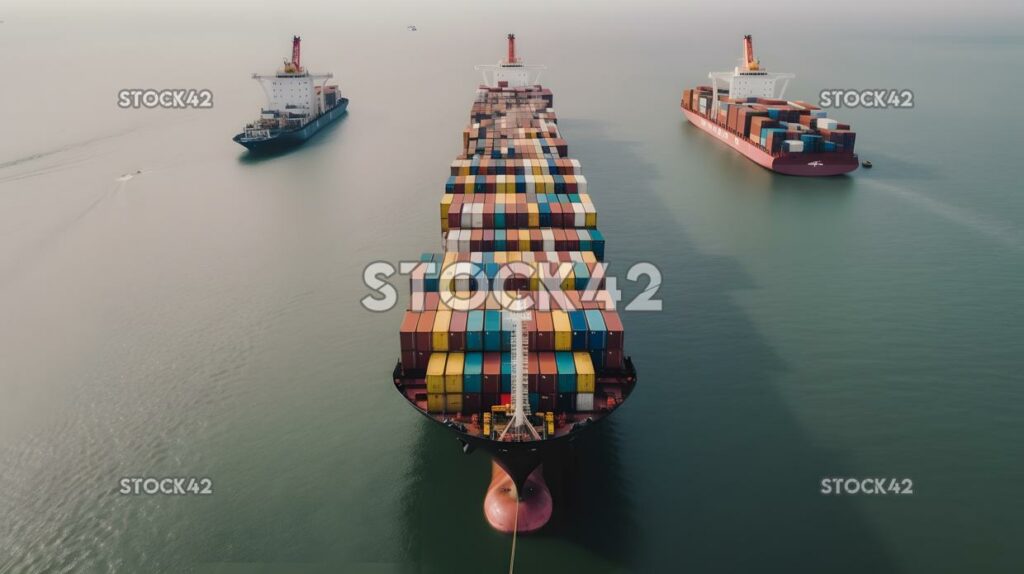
997 231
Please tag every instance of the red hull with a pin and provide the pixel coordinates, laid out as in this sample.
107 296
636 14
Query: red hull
803 164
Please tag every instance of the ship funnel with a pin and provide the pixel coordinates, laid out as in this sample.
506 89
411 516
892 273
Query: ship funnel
297 53
749 62
512 49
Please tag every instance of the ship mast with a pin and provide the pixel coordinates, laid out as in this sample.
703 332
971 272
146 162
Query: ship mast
519 428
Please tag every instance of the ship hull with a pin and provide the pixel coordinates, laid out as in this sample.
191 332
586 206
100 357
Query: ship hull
291 138
799 164
518 459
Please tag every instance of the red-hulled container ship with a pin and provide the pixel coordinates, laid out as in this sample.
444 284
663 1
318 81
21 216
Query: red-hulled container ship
511 340
742 109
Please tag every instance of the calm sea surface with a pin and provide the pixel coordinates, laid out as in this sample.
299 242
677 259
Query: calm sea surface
202 317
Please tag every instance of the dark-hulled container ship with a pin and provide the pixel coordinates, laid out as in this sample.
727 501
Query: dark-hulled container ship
788 137
511 340
299 104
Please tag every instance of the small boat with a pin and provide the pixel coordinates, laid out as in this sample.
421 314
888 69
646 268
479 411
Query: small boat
866 164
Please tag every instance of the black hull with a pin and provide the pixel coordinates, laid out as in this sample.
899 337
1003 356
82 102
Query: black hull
291 138
518 459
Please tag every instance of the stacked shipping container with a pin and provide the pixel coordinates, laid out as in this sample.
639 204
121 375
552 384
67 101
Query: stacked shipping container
777 126
513 197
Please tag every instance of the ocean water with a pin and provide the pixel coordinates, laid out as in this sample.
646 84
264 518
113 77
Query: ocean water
202 317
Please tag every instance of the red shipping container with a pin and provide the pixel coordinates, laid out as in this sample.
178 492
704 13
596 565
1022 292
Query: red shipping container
547 384
424 331
572 240
492 373
613 359
457 331
522 216
545 331
561 244
409 360
547 403
616 333
505 399
556 214
471 403
407 332
431 301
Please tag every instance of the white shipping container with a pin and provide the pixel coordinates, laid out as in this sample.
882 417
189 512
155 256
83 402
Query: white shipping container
826 124
478 215
549 239
585 401
793 145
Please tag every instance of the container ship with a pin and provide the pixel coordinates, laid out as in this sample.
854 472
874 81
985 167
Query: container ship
511 340
298 105
789 137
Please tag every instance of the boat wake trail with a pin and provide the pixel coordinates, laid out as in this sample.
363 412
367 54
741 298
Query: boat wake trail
994 230
63 148
32 252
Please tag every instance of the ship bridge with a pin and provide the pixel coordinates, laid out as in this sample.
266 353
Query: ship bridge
511 71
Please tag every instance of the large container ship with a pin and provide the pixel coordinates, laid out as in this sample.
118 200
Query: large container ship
746 113
299 104
511 340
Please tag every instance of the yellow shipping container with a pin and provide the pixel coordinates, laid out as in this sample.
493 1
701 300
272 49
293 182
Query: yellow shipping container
453 402
524 240
440 330
563 330
435 372
532 215
569 280
585 378
435 403
446 203
589 257
453 373
470 184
